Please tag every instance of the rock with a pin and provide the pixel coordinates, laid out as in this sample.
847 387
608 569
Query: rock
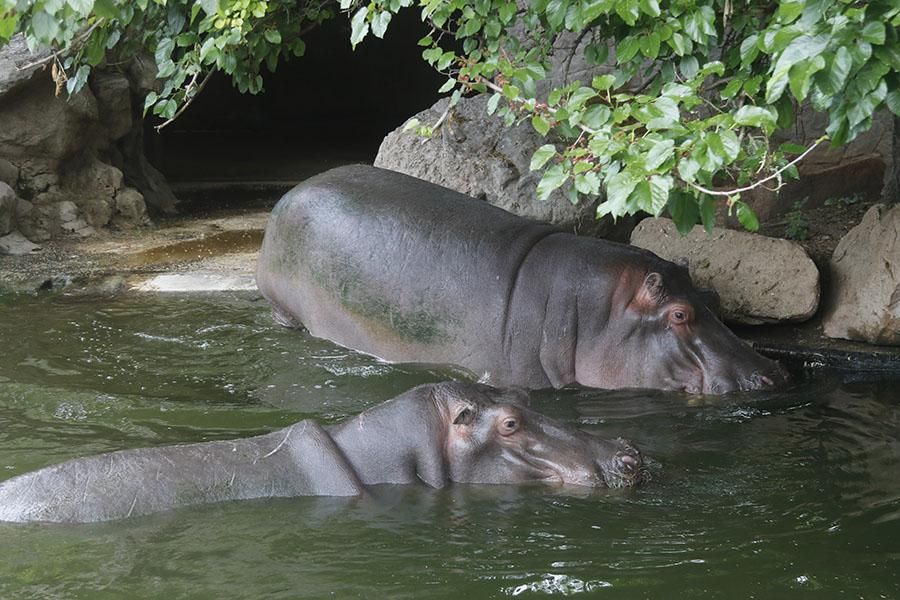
41 124
131 211
8 203
475 154
864 292
759 279
113 95
16 243
30 221
9 173
18 64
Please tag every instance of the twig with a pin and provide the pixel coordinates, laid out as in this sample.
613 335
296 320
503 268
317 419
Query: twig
775 175
55 54
188 99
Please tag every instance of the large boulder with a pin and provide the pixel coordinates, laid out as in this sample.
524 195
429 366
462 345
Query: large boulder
64 156
864 293
475 154
759 279
8 202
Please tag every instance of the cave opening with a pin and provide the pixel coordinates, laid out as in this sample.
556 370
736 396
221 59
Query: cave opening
332 106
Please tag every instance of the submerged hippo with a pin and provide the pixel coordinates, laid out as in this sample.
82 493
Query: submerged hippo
435 434
409 271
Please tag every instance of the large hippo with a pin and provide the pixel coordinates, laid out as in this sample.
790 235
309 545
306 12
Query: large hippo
433 434
412 272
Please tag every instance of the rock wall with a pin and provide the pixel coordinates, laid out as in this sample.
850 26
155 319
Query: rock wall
62 158
864 294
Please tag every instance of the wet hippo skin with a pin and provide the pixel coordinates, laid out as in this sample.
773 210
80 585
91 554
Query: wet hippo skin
434 435
408 271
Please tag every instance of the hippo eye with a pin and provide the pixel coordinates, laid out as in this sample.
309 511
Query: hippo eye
465 417
509 425
678 316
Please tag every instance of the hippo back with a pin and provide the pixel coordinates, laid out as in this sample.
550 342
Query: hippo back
394 266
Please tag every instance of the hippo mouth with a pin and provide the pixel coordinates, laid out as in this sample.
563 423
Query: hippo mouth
622 470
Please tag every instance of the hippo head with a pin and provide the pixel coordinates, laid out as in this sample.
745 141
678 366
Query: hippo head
663 333
492 437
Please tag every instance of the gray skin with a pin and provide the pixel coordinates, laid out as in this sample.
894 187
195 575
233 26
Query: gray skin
433 434
408 271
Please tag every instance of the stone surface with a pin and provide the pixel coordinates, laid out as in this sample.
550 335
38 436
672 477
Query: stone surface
864 292
55 148
8 203
475 154
130 209
759 279
113 94
15 243
9 173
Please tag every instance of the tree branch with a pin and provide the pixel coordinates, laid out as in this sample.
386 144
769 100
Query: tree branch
775 175
188 99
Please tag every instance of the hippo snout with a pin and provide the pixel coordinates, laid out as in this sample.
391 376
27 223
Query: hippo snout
761 380
624 468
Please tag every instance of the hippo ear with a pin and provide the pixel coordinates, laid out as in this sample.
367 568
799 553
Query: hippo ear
652 292
712 300
465 415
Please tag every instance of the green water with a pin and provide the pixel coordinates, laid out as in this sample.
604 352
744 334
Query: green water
793 494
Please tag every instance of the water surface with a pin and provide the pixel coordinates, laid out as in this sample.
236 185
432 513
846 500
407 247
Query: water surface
764 495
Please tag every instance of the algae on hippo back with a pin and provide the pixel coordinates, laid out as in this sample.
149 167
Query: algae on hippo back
412 272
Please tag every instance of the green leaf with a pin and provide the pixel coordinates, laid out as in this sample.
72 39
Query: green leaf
893 101
746 216
618 188
150 100
755 116
689 67
82 7
683 210
588 183
650 7
873 32
627 49
660 186
492 103
210 7
580 96
553 178
45 26
688 168
380 23
541 156
359 27
273 36
106 9
540 124
448 85
95 49
603 82
661 151
8 25
707 213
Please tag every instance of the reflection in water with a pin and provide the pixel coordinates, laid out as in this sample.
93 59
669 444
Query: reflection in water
757 494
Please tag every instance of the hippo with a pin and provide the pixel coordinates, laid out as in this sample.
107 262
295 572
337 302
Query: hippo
434 434
409 271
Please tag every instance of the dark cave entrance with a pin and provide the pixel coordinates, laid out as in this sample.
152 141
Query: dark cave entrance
332 106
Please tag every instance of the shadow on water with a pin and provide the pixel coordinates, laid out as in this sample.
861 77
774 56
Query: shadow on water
763 494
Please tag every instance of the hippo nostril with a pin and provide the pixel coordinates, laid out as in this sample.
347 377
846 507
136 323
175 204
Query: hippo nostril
627 461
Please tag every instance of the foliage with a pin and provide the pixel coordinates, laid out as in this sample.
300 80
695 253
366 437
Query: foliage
678 117
188 40
796 223
687 93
